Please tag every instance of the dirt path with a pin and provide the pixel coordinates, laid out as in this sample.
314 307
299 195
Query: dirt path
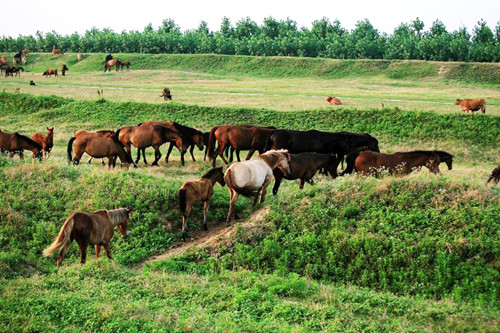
214 238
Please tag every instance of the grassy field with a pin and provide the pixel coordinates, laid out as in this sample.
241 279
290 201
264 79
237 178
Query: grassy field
410 254
273 83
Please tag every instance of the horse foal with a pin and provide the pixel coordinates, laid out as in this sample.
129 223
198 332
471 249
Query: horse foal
199 190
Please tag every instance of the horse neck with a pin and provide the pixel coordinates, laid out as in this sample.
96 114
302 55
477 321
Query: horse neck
49 138
114 217
272 160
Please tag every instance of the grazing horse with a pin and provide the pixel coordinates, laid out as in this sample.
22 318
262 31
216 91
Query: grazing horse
239 138
198 191
16 143
125 64
56 51
25 52
49 72
112 63
47 141
95 228
192 136
64 68
79 57
251 178
16 61
333 100
98 147
165 93
104 133
150 136
472 105
23 60
495 175
9 71
368 162
303 166
230 150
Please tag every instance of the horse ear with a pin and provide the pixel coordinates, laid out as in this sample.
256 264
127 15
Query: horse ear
129 210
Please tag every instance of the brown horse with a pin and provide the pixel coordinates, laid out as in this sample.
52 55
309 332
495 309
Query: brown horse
333 100
165 93
16 143
112 63
150 136
11 70
369 162
495 175
56 51
49 72
104 133
98 147
304 166
198 191
191 135
90 228
47 141
237 137
64 69
25 52
125 64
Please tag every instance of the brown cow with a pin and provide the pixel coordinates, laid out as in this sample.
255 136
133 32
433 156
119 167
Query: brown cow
472 104
333 100
50 71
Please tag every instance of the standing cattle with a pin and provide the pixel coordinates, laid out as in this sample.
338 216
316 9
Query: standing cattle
472 104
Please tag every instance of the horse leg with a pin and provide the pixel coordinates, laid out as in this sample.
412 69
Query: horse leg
263 194
107 247
205 211
138 155
254 201
185 216
250 153
144 156
182 158
191 151
97 251
301 183
234 197
83 250
238 155
278 177
169 151
221 151
157 155
231 150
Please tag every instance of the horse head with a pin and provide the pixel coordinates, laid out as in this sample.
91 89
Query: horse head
219 177
278 159
198 140
123 225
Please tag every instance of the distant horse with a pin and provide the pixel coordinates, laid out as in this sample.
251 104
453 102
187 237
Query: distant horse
104 133
471 105
304 166
23 60
56 51
9 71
192 136
125 64
198 191
165 93
90 228
150 136
64 68
16 61
333 100
79 57
112 63
495 175
46 141
240 138
251 178
16 143
98 147
25 52
49 72
368 162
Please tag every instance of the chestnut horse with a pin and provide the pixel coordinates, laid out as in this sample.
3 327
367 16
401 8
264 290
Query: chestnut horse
47 141
98 147
56 51
191 135
16 143
198 191
251 178
230 150
111 63
90 228
333 100
369 162
150 136
49 72
165 93
237 137
495 175
105 133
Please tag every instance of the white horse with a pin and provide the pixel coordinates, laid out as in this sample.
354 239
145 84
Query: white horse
251 178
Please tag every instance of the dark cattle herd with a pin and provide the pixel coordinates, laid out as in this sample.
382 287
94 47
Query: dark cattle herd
282 154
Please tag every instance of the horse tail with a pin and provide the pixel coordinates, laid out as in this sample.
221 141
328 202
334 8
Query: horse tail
62 238
269 142
211 143
182 200
70 148
116 138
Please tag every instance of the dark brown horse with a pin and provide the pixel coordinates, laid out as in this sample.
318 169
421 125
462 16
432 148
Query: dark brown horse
495 175
104 133
198 191
64 68
56 51
50 72
304 166
150 136
165 93
46 141
16 143
112 63
98 147
240 138
9 71
372 163
125 64
191 135
90 229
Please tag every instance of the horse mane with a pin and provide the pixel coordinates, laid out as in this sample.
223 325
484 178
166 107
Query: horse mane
185 129
439 153
271 156
28 140
116 216
211 173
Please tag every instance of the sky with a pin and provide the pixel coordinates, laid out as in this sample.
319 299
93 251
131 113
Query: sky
67 17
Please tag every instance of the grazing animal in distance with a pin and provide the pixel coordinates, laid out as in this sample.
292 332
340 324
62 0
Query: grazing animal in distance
56 51
9 71
50 72
23 60
165 93
198 191
125 64
251 178
112 63
25 51
16 143
46 141
333 100
79 56
495 175
86 229
99 147
471 105
32 83
64 68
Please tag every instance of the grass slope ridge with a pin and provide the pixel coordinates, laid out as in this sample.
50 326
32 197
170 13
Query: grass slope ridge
278 66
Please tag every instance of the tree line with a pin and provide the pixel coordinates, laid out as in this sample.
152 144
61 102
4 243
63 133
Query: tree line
281 38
